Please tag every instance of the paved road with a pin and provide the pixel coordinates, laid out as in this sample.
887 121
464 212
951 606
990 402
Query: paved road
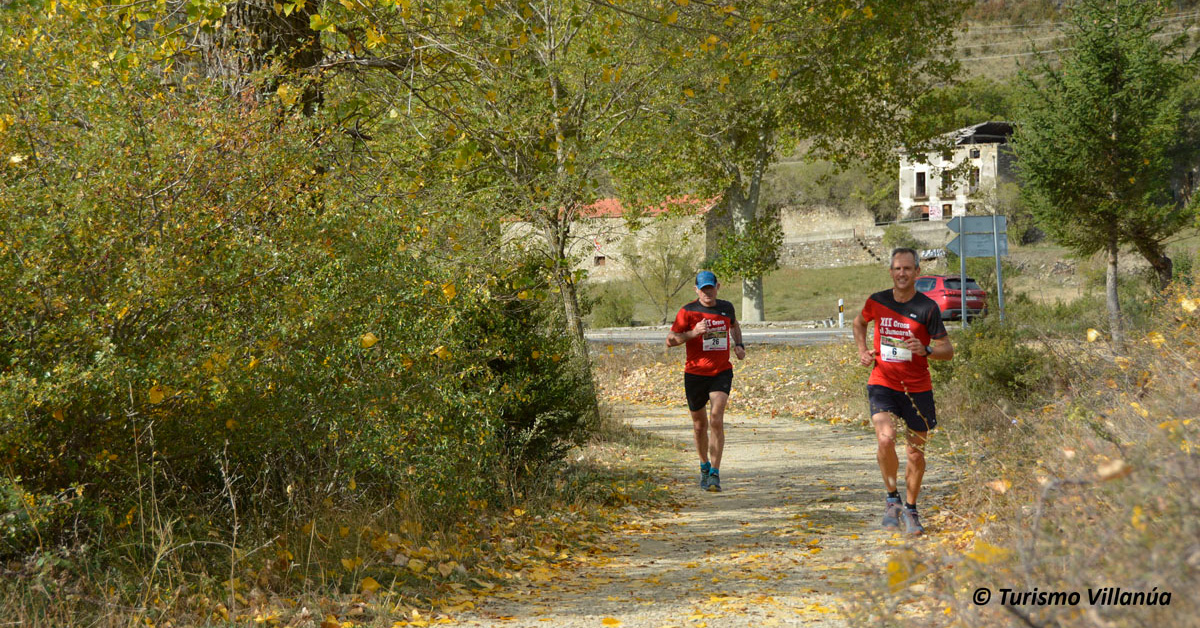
750 335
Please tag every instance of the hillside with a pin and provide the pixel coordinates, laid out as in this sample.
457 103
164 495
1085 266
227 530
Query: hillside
1001 37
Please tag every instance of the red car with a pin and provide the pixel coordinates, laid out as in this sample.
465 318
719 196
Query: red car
947 293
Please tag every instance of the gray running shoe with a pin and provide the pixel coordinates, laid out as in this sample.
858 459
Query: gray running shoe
714 483
891 513
704 480
912 522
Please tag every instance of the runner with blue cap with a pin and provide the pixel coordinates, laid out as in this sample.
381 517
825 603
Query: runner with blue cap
709 327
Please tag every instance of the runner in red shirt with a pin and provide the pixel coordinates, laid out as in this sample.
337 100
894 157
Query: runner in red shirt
708 327
908 333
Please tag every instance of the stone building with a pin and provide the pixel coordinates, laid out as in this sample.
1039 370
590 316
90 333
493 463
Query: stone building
938 188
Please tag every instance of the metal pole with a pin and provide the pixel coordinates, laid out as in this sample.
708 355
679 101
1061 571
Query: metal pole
999 269
962 278
841 313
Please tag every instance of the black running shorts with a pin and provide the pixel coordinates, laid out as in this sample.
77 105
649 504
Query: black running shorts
697 387
916 409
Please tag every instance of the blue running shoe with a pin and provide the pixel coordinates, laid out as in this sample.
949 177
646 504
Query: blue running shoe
891 513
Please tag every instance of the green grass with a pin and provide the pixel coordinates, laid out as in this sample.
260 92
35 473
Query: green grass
792 294
795 294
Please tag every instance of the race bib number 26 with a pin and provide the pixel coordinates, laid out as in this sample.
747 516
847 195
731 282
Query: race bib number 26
716 340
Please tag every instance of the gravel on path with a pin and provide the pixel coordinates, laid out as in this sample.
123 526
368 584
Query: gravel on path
793 534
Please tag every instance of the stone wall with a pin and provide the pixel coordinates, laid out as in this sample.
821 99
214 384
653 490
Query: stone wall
853 246
831 253
807 221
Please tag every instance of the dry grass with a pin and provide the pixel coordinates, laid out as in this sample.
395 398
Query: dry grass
1083 477
353 555
1094 482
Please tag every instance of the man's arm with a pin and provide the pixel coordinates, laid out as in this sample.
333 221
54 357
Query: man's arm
942 349
674 339
735 332
866 355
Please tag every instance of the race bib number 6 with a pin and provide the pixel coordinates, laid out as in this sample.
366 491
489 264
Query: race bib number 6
893 350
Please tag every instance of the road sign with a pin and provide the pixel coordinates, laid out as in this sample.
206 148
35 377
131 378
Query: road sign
977 224
978 245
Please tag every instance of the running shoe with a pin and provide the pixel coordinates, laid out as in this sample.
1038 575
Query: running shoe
912 522
714 483
704 480
891 513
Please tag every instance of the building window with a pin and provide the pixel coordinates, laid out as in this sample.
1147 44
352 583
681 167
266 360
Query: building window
599 260
947 189
921 192
947 209
974 153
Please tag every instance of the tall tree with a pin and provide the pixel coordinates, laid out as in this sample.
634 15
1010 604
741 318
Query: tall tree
1096 140
527 102
758 78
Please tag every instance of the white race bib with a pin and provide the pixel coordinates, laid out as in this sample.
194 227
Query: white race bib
894 350
716 340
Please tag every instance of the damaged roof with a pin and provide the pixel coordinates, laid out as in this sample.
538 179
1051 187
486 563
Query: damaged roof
984 133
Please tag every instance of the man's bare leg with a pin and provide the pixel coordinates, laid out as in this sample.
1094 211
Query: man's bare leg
700 431
716 424
914 470
885 436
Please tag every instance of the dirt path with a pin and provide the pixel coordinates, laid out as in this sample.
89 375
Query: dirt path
795 529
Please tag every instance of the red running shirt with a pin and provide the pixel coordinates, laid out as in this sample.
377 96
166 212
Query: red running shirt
707 354
895 366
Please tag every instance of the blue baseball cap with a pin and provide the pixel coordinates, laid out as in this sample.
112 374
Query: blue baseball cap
705 278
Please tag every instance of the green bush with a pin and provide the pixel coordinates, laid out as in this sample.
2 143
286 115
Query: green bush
611 306
900 236
1185 265
991 362
196 316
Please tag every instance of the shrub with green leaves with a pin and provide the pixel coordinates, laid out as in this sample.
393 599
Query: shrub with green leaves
900 236
991 362
209 300
611 306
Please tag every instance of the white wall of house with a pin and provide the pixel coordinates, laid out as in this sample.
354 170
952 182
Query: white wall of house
596 245
945 195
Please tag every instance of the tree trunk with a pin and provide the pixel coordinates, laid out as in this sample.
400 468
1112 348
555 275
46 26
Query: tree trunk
743 209
1163 267
1112 300
745 215
252 34
557 234
752 301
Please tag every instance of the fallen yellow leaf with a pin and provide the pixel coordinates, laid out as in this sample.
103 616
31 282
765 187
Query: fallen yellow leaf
369 585
1138 520
1092 335
986 553
369 340
610 621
